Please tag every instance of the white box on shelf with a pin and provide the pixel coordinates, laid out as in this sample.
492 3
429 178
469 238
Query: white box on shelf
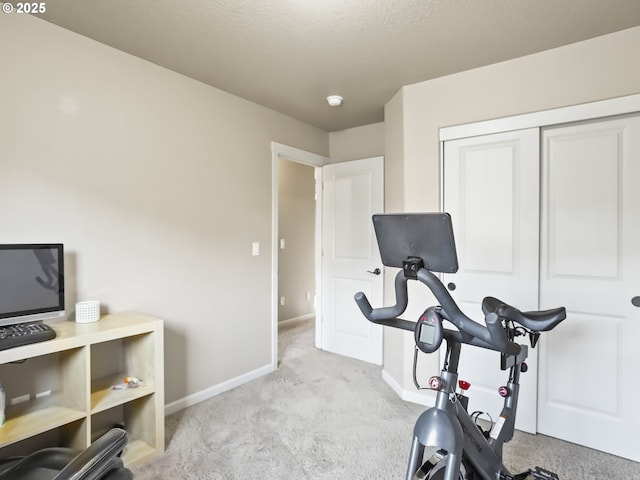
87 312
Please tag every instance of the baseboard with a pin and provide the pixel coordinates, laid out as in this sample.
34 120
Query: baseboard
413 396
210 392
173 407
308 316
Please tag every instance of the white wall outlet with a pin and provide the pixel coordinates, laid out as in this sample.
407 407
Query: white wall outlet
282 301
308 295
46 393
282 244
20 399
256 249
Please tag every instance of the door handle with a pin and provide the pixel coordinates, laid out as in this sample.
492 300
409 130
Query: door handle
635 301
377 271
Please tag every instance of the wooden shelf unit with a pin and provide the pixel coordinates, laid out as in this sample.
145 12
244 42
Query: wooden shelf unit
64 387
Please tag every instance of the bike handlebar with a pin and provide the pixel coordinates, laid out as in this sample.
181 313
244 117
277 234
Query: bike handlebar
491 336
385 313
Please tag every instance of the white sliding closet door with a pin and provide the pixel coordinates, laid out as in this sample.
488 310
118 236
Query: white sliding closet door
590 251
491 190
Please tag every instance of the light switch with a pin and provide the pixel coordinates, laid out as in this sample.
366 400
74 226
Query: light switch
282 244
256 249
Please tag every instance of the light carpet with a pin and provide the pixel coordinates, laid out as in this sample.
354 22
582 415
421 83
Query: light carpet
323 416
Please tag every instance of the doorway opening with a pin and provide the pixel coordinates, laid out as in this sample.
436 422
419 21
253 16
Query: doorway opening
296 239
296 246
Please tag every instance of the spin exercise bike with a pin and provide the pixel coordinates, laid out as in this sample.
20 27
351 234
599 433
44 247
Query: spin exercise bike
421 244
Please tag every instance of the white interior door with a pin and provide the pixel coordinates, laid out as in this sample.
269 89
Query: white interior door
589 365
491 190
353 192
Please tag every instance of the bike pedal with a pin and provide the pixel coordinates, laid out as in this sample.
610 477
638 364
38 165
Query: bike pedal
542 474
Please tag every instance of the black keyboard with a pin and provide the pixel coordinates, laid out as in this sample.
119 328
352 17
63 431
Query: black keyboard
25 334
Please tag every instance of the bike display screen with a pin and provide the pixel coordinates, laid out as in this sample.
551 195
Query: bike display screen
427 333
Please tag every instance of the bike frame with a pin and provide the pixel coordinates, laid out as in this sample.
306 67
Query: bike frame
448 425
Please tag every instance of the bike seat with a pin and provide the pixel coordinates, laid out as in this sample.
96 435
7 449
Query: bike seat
538 321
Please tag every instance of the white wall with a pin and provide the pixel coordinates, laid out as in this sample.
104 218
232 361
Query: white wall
156 184
596 69
356 143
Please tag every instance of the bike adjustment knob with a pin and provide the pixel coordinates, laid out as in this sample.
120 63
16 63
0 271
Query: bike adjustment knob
464 385
524 367
504 391
435 383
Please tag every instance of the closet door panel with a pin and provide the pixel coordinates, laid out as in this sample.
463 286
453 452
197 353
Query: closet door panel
590 262
491 190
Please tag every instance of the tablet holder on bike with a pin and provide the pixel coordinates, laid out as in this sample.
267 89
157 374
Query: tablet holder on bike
403 243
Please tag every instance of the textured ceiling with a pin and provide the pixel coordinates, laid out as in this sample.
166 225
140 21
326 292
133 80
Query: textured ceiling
288 55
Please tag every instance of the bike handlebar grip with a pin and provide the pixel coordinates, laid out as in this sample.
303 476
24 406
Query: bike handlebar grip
364 305
499 337
385 313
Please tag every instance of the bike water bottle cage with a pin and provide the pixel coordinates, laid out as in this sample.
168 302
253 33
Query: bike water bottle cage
429 332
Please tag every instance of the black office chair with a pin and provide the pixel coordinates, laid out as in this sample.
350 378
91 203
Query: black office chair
100 461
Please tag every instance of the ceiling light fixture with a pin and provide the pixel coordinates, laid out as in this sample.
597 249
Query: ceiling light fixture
334 100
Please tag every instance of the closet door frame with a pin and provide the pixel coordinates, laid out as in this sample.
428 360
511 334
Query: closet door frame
544 118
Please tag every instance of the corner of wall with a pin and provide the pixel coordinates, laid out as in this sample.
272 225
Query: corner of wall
394 153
